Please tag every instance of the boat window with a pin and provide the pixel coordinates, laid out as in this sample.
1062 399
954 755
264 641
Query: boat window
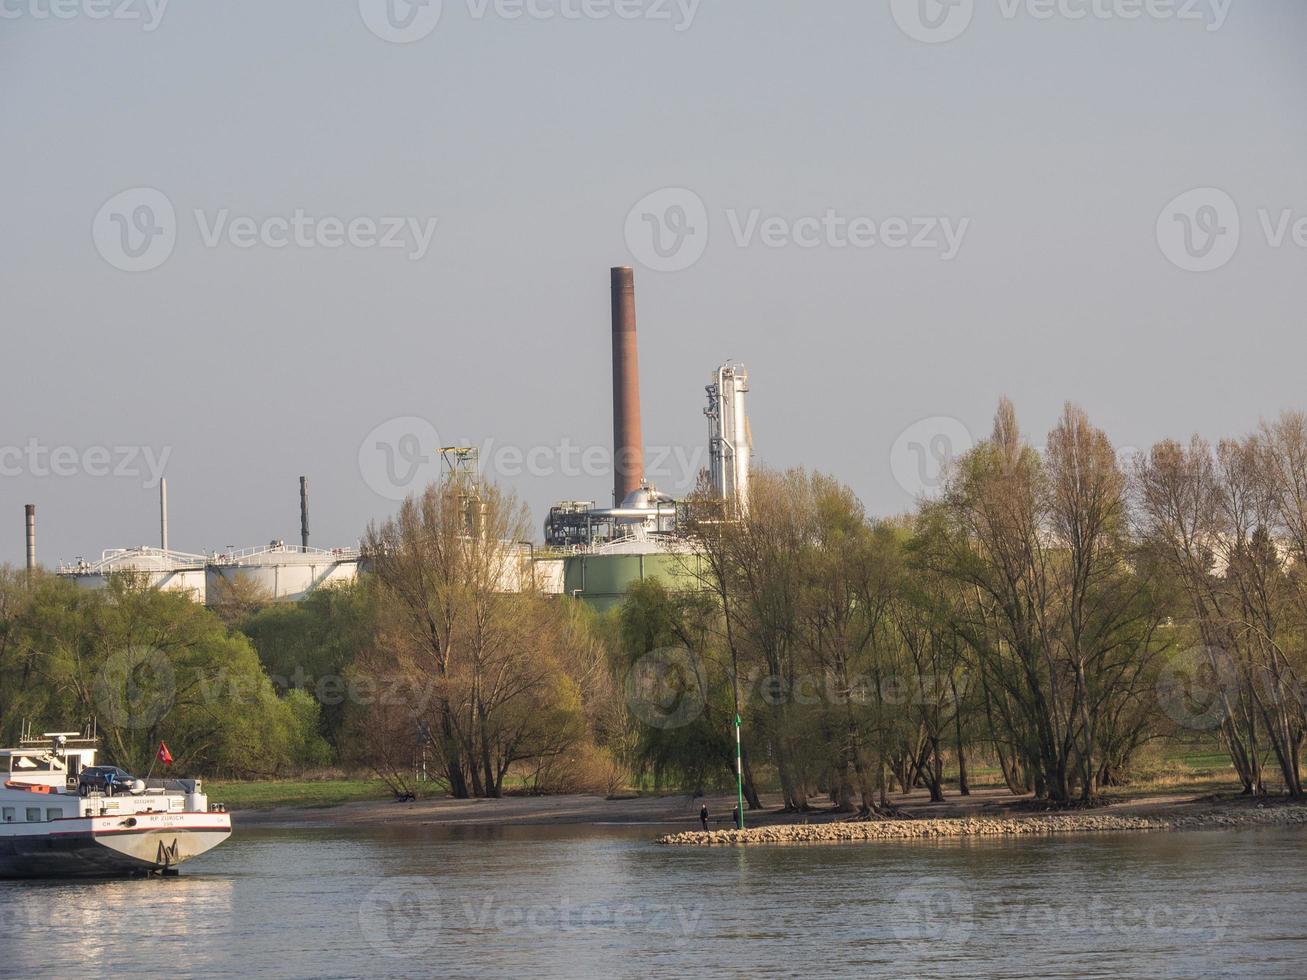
25 763
9 814
33 814
54 814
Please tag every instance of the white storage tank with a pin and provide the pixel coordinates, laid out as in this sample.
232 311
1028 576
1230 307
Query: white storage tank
279 571
169 571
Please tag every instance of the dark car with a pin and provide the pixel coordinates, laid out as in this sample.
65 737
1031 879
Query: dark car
107 779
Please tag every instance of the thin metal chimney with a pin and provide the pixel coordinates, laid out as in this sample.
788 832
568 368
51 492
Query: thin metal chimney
31 538
163 515
304 512
628 441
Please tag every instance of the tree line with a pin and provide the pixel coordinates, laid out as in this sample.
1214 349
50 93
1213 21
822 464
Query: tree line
1049 613
1051 610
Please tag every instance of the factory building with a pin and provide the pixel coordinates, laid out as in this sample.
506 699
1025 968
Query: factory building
168 571
591 553
275 572
639 537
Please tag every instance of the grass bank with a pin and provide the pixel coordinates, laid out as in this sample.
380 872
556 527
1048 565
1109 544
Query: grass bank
303 793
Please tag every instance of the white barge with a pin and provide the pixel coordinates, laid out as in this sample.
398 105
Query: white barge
61 815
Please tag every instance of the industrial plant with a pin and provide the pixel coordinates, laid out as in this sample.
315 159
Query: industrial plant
591 552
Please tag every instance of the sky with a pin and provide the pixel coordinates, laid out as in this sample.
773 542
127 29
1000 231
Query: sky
245 241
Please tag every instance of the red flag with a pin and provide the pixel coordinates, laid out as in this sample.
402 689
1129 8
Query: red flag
164 755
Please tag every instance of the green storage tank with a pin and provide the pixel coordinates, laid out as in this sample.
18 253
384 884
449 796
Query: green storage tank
604 580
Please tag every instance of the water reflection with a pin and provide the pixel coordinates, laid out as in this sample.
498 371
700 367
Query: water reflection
571 901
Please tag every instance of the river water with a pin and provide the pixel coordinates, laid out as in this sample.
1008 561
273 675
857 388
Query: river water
606 902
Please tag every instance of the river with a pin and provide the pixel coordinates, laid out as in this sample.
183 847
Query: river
606 902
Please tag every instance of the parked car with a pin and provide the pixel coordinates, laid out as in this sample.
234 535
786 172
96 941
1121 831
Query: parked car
109 780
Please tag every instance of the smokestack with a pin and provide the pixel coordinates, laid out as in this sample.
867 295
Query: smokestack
31 538
304 512
163 515
628 442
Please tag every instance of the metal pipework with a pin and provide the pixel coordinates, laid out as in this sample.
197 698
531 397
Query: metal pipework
628 440
31 537
304 512
163 515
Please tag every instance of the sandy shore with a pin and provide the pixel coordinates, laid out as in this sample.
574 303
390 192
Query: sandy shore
662 811
986 813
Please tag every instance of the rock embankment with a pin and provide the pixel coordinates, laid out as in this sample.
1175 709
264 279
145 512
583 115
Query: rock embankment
1025 826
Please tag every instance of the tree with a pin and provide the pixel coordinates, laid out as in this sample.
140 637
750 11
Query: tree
484 660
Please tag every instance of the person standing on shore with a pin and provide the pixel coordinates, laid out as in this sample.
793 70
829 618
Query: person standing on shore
703 816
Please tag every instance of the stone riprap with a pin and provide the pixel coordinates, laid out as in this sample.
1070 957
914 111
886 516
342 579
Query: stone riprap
1024 826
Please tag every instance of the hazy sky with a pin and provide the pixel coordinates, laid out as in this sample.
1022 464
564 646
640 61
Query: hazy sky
972 202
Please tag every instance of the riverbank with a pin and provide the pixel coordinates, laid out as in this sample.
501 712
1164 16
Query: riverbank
1175 815
986 813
